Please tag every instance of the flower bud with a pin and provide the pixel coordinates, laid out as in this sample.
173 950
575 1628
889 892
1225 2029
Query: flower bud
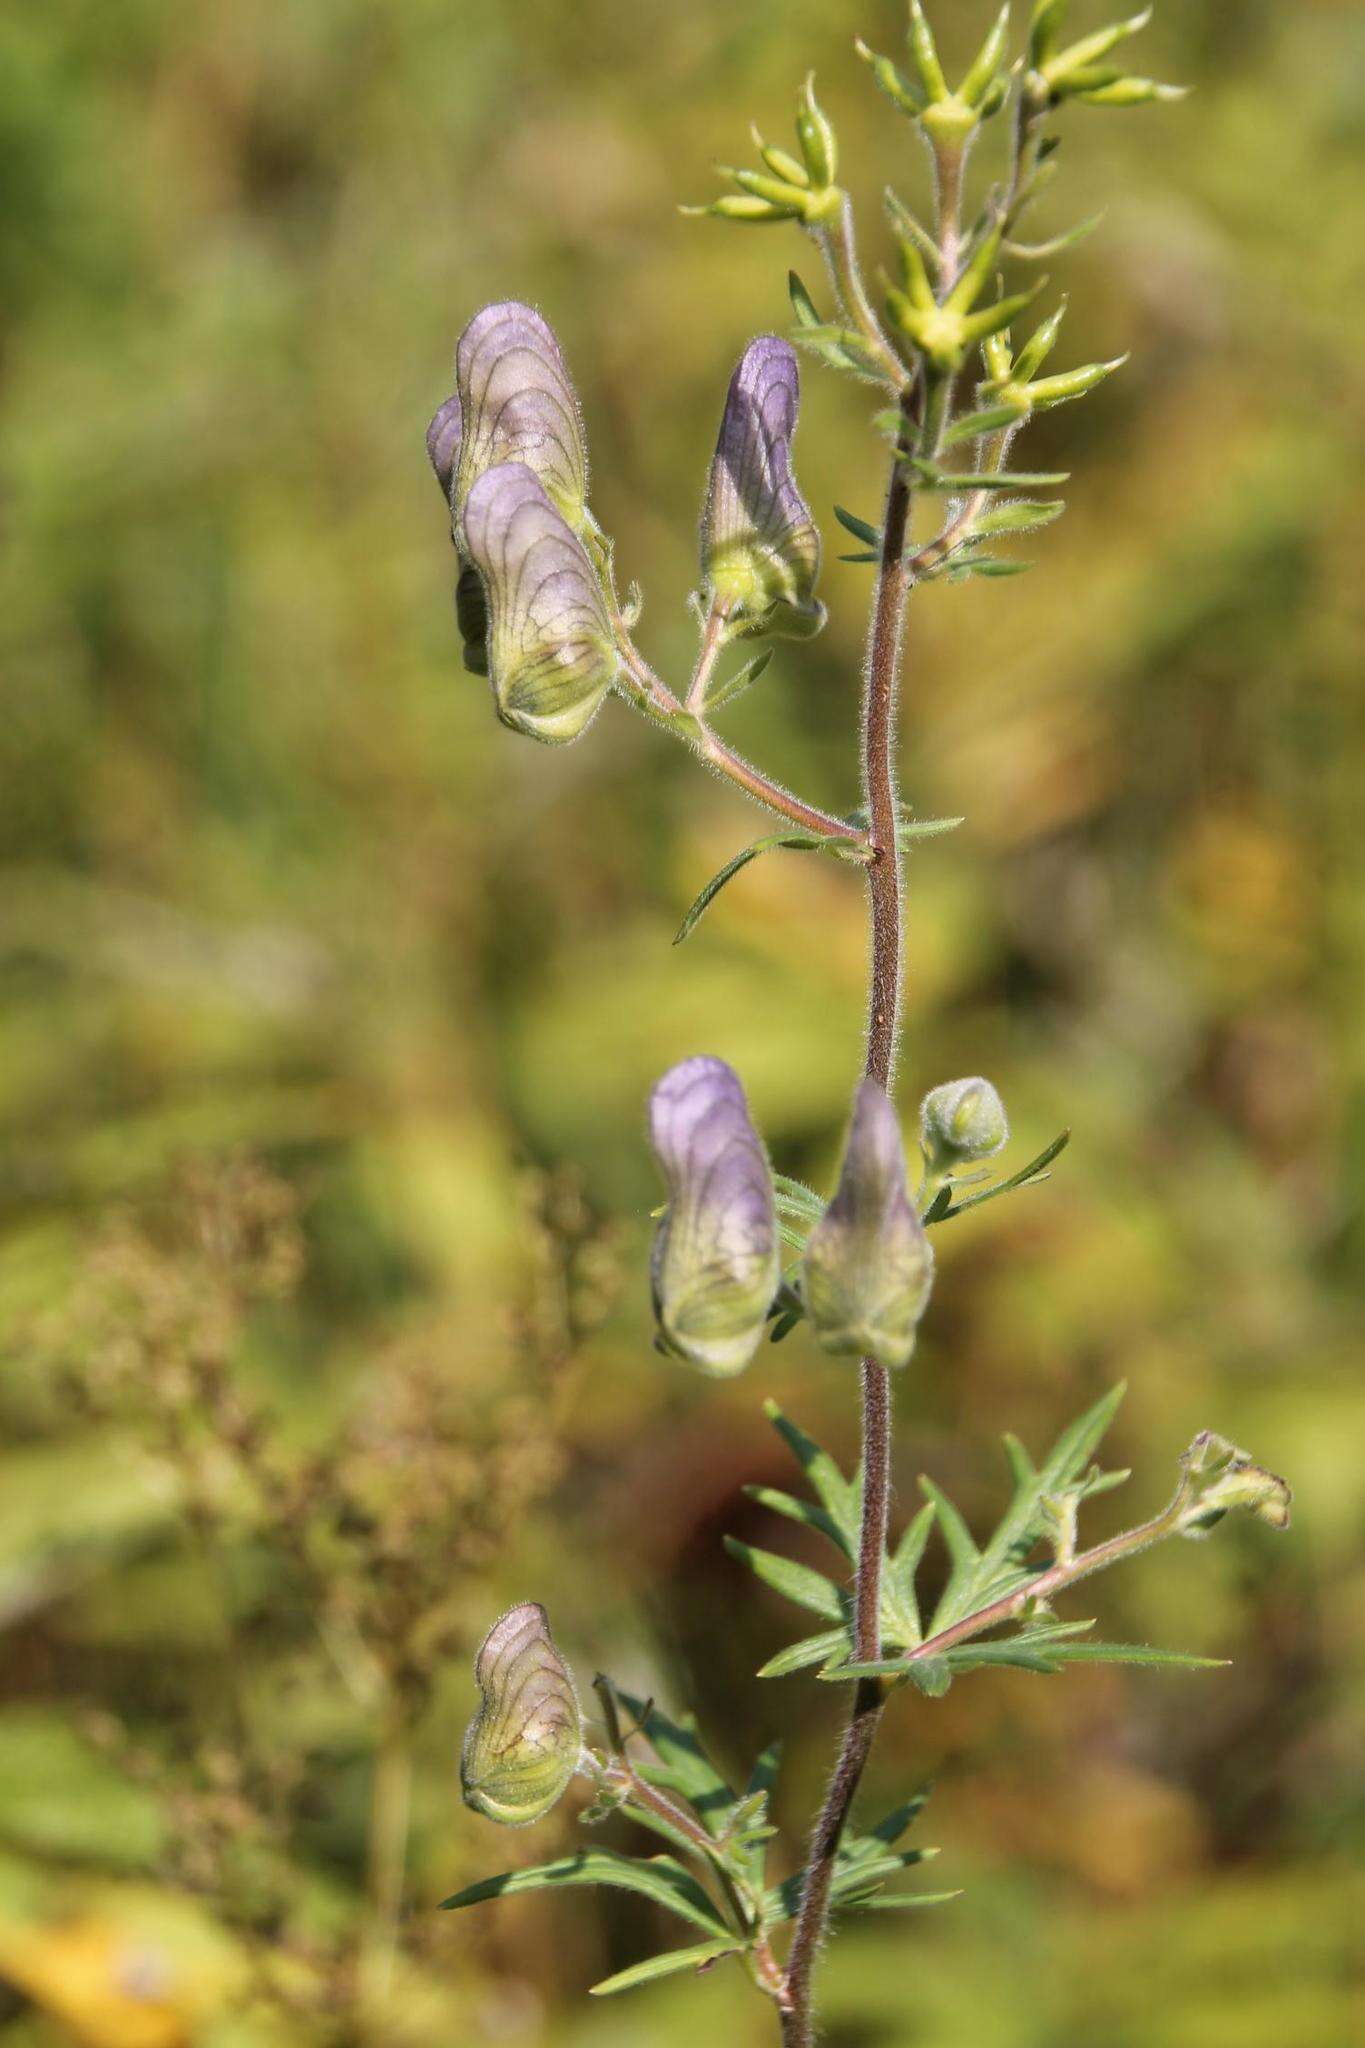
443 441
815 133
551 655
1219 1478
523 1746
715 1266
760 549
962 1122
868 1268
518 406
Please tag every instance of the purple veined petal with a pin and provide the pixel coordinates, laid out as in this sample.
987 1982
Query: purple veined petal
715 1266
759 544
444 436
518 406
523 1746
552 657
868 1266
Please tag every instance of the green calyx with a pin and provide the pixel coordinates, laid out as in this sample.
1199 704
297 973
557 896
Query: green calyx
788 187
1079 72
949 118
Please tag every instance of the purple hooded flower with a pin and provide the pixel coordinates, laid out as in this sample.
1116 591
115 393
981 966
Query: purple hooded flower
517 405
523 1746
443 441
868 1267
760 550
715 1266
550 650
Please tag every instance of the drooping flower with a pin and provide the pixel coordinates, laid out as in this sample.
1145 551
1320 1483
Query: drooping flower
1219 1479
760 549
715 1267
961 1123
523 1746
517 405
868 1267
551 655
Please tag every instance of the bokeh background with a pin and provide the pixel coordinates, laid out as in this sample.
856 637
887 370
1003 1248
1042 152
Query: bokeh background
329 1009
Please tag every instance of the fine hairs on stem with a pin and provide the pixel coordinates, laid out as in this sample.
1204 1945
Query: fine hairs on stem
741 1252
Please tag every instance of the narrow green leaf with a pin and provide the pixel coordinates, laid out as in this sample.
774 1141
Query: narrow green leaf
803 1511
722 694
861 529
911 829
894 1824
800 1656
798 1582
956 1535
905 1562
682 1764
1035 1170
803 305
974 426
1023 515
669 1965
763 1776
991 566
899 1902
838 1494
797 1196
795 842
660 1878
965 484
1141 1654
1075 1446
865 555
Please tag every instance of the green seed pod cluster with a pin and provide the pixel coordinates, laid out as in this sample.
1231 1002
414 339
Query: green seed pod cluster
523 1746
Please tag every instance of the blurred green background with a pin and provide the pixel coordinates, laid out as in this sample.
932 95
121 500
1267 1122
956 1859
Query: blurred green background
319 989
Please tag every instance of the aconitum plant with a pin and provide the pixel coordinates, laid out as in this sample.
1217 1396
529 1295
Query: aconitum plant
957 363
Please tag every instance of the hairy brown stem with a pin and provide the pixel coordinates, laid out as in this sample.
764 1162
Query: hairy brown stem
884 895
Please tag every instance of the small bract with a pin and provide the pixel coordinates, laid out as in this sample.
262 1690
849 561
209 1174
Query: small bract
522 1747
715 1267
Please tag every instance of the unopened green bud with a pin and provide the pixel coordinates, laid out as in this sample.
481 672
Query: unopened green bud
868 1267
903 92
1044 29
924 51
984 74
780 162
749 210
815 133
523 1746
962 1123
1046 392
1220 1478
1131 92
